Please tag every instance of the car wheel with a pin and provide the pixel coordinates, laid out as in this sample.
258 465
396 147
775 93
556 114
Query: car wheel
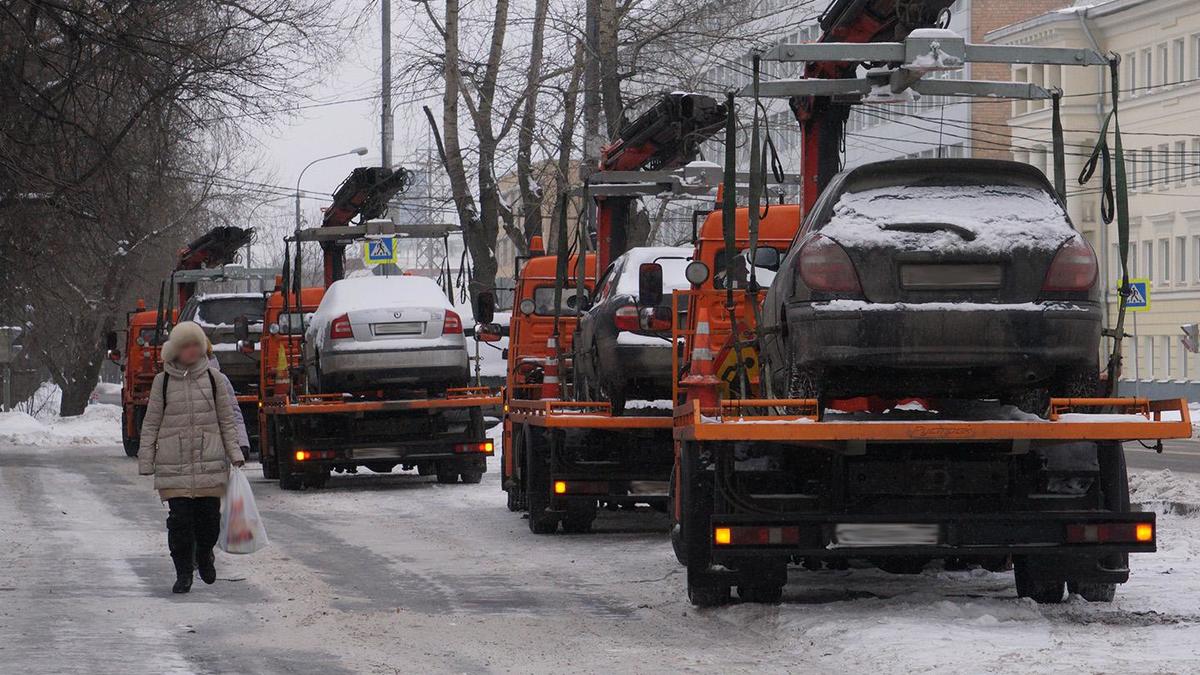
1077 383
1033 400
804 383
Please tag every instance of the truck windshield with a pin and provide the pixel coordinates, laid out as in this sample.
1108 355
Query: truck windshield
543 301
223 311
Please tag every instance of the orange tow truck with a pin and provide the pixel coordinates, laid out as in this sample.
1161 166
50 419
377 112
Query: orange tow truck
763 481
139 362
309 435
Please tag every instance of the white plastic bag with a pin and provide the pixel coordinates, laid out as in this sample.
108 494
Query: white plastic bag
242 529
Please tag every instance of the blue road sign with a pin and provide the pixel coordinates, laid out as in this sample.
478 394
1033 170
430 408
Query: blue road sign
1139 299
379 251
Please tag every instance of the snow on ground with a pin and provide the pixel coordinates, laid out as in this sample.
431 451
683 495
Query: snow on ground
1163 487
100 423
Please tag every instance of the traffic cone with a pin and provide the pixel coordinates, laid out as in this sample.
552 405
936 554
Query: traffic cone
550 386
702 381
283 379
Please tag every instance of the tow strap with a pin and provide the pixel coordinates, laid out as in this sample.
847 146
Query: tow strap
1114 203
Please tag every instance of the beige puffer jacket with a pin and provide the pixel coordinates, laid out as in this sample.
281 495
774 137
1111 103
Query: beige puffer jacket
188 446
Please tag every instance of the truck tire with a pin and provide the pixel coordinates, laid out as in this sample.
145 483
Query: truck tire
1114 485
471 474
130 443
677 542
537 487
1034 586
579 518
131 446
762 594
697 502
447 472
290 481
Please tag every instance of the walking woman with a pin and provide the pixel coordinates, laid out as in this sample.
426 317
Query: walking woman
189 438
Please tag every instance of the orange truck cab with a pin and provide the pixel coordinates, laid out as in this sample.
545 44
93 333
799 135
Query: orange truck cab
775 233
140 362
280 361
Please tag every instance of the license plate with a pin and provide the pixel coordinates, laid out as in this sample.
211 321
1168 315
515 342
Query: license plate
918 277
886 534
399 328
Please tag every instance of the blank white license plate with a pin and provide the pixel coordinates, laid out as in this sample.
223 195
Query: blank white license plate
399 328
886 534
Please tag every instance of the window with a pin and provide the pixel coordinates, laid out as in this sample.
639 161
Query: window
1114 263
1148 372
1181 260
1164 66
1148 250
1131 168
1177 61
1166 351
1193 161
1164 158
1196 259
1133 259
1164 260
1131 71
1196 56
1147 70
1147 177
1180 162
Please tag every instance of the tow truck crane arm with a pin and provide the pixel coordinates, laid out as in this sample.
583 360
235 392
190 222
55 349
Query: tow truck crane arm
665 137
822 119
214 248
364 195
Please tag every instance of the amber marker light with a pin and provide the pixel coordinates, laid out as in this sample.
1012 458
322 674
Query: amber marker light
1144 532
723 536
560 487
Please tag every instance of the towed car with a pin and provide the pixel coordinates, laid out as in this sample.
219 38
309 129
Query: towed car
397 334
622 349
953 278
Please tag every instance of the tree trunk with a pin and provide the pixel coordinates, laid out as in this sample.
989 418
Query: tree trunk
610 77
531 198
562 179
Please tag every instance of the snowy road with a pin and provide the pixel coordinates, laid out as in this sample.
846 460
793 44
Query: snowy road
394 574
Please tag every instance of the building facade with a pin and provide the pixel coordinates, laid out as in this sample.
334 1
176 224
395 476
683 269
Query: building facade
1159 99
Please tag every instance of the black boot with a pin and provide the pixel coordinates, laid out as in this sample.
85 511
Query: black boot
206 565
183 583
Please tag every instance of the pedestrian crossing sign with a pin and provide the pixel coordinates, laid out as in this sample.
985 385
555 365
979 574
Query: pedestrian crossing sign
1139 296
379 251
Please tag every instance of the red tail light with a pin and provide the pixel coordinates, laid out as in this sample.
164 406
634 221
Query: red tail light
626 318
452 325
825 267
1073 268
340 328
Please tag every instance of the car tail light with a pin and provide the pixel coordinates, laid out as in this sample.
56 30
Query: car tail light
825 267
452 325
627 318
340 328
1073 268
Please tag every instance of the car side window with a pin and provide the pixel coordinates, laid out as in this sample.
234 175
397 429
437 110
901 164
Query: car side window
607 282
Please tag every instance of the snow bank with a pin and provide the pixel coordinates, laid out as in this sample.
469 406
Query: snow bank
1150 487
1002 218
100 424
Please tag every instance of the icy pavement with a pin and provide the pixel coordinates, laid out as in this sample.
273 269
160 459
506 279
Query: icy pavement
397 574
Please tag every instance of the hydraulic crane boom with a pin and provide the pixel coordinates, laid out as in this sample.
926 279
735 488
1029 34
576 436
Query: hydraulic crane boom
214 248
665 137
364 195
822 119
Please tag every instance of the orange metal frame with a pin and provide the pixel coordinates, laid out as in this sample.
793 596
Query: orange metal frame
743 421
320 404
580 415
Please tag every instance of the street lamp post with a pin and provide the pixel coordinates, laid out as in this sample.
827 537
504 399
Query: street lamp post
356 151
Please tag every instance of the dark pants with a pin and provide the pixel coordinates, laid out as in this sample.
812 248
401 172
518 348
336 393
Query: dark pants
192 529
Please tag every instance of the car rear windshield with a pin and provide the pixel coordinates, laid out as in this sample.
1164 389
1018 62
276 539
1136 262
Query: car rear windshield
224 311
543 301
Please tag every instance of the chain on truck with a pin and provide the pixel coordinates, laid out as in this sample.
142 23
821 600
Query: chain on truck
763 481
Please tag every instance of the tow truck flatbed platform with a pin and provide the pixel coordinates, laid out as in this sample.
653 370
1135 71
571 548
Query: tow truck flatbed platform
324 404
1130 419
582 415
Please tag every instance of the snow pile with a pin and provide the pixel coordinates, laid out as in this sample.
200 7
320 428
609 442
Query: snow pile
1151 487
996 218
100 424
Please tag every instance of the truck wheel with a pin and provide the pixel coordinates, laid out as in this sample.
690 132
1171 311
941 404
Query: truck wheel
1032 585
131 446
317 481
1093 592
130 443
761 594
447 472
290 481
471 475
537 487
696 492
677 542
707 596
579 518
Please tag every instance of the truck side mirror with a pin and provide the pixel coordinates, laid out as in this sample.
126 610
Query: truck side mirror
241 328
650 284
110 340
485 307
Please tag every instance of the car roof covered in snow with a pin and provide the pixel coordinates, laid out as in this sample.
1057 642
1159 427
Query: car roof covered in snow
672 258
348 295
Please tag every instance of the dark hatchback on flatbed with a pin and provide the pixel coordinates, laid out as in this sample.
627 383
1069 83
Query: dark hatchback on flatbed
942 278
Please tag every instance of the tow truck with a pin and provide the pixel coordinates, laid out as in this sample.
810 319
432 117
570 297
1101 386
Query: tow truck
308 435
205 258
763 481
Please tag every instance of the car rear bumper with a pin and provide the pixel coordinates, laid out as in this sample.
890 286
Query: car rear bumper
374 367
864 334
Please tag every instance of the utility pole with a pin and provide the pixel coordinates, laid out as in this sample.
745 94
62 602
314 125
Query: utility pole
385 136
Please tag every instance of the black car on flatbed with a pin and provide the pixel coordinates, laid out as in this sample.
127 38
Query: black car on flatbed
959 278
